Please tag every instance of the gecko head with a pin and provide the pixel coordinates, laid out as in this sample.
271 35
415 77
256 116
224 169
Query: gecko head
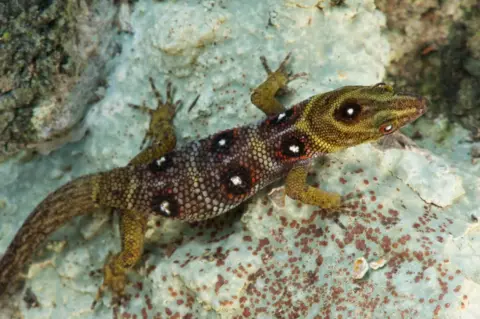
354 115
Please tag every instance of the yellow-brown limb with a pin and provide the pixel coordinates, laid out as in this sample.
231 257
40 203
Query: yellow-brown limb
132 231
297 188
264 95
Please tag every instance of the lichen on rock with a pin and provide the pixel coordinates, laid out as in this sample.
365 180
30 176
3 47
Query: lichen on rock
52 61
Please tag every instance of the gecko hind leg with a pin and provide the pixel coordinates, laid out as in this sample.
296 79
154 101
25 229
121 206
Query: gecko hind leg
161 138
132 231
264 95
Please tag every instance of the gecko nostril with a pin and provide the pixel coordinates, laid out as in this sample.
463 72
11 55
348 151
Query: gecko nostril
423 104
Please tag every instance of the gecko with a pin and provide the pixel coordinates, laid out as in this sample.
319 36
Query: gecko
210 176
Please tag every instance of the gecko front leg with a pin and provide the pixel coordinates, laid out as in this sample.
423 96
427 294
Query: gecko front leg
276 84
297 188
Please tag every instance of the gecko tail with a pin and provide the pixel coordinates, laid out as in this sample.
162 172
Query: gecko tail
73 199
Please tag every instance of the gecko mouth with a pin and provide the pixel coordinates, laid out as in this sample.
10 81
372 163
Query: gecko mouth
423 105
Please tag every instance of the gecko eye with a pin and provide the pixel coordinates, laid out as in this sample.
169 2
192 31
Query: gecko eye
386 129
348 111
384 86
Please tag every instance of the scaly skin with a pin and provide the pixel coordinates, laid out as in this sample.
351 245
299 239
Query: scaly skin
208 177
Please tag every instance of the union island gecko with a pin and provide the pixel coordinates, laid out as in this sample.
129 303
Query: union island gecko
209 177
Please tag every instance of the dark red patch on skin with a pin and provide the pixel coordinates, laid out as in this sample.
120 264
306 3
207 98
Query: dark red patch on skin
161 164
222 143
293 148
289 116
236 181
165 205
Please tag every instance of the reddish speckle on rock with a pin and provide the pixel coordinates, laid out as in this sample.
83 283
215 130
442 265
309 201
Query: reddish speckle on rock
393 212
148 301
366 182
339 243
220 282
403 240
319 260
342 180
386 243
360 244
418 255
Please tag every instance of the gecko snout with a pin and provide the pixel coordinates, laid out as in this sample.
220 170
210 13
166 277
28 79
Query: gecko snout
423 105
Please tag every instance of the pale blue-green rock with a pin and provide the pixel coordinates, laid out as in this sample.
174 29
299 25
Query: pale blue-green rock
414 209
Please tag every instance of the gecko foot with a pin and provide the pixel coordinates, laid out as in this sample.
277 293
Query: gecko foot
284 76
114 279
275 85
342 205
161 118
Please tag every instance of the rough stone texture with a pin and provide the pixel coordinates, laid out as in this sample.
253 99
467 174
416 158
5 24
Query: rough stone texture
436 53
52 61
272 261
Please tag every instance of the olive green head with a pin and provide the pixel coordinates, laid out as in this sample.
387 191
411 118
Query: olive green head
354 115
